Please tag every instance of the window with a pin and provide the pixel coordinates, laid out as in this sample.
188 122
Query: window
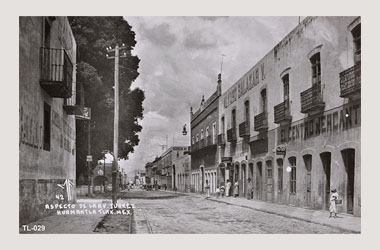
233 118
213 133
315 61
246 105
192 140
285 80
293 175
269 169
356 34
280 175
47 34
202 134
197 138
207 134
264 100
223 125
47 112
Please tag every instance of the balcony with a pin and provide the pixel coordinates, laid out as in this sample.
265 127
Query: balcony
244 129
221 140
312 99
261 122
231 135
282 113
350 82
209 141
75 104
56 72
202 143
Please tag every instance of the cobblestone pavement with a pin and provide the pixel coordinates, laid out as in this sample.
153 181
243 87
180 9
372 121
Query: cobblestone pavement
186 214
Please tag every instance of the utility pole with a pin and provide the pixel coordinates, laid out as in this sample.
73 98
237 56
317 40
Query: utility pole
116 118
89 153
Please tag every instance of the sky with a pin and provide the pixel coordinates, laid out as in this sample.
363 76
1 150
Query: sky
181 58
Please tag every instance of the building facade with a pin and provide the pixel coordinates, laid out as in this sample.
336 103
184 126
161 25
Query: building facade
47 109
182 167
204 150
292 122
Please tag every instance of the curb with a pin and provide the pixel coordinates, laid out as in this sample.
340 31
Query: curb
288 216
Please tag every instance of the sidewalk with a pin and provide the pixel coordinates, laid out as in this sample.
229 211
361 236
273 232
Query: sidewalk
345 221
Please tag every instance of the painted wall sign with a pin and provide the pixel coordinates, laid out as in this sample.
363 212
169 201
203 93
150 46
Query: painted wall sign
331 122
251 80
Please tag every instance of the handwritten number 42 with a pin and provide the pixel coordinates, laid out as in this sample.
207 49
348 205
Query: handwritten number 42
59 197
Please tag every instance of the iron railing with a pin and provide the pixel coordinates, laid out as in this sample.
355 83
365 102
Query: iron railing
350 81
261 121
244 129
56 72
282 112
231 134
312 98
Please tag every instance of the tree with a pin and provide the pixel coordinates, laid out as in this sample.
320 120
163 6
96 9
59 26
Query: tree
96 73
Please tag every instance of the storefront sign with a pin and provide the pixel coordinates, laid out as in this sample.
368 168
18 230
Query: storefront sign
280 151
226 159
89 157
331 122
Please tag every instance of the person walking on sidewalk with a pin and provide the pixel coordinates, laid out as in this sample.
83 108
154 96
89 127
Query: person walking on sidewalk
207 187
236 189
249 189
334 197
228 187
222 190
217 191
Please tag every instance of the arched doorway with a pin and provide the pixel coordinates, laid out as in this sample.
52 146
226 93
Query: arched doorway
348 156
259 176
243 180
308 165
326 163
174 184
269 178
202 179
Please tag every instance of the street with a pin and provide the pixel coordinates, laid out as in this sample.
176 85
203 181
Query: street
190 214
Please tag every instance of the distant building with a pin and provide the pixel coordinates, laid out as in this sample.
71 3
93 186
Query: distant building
204 140
182 166
48 106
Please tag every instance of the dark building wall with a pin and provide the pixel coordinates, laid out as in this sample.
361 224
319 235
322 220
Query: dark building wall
41 170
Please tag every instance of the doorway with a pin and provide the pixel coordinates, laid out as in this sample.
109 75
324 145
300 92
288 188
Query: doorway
174 178
308 165
269 180
326 162
243 180
202 177
259 175
349 164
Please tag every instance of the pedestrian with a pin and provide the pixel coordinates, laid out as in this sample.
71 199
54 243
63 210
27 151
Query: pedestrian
236 189
222 190
228 187
249 189
207 187
334 197
217 191
165 186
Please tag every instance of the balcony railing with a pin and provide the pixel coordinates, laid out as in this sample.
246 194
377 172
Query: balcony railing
312 99
231 134
244 129
221 139
350 81
202 143
75 104
261 121
56 72
282 113
209 140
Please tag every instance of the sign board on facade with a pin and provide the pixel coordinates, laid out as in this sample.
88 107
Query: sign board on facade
89 157
280 150
226 159
86 114
100 172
